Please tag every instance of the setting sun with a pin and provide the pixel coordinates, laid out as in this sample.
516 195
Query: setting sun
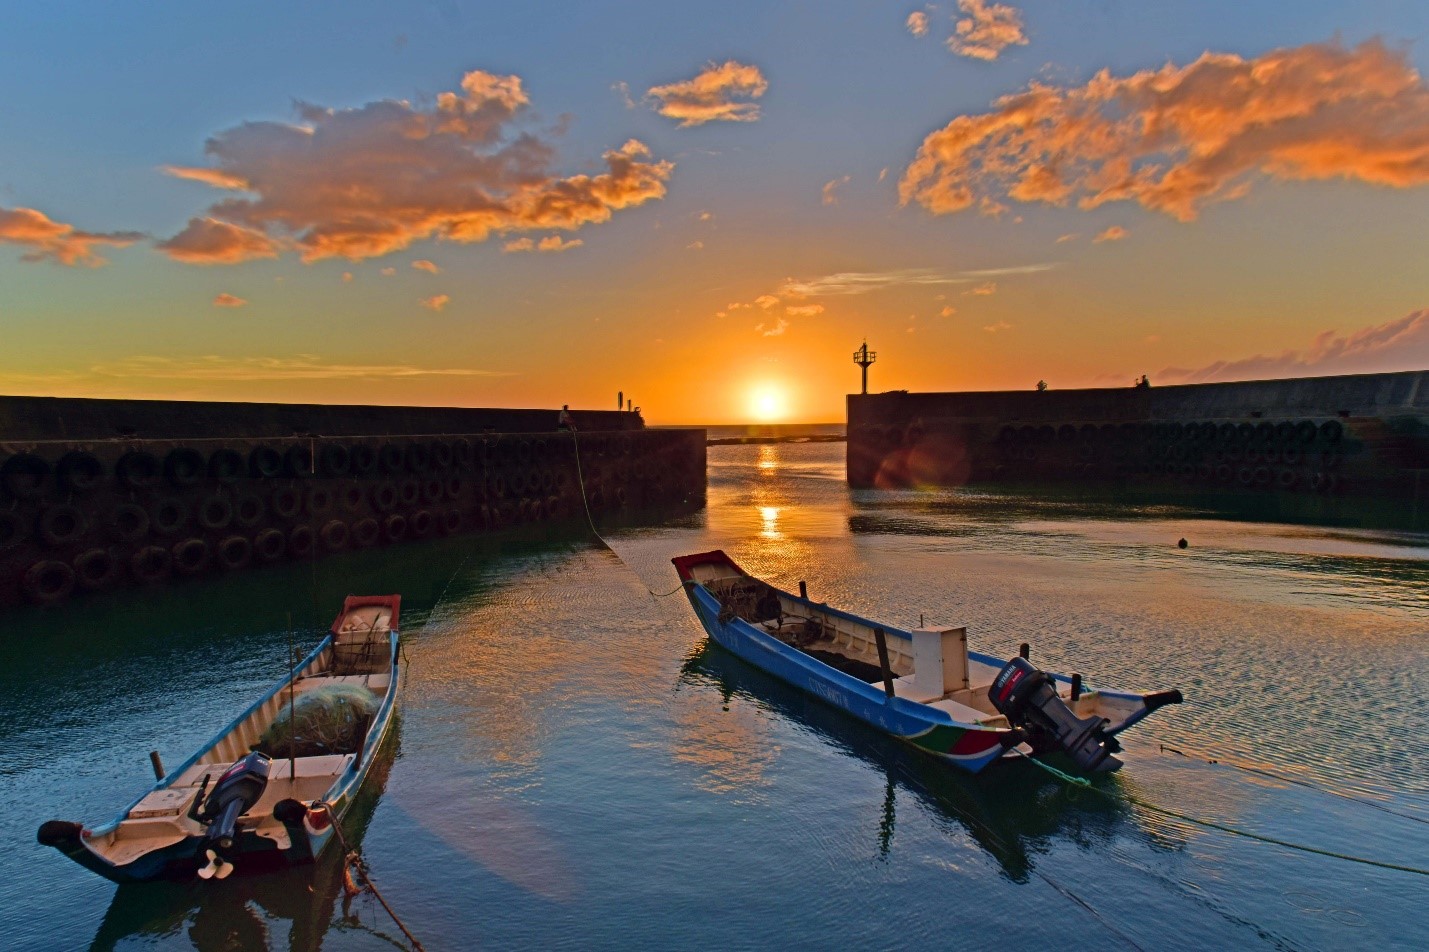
769 403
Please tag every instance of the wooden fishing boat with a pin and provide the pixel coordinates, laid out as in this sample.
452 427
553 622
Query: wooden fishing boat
239 804
923 686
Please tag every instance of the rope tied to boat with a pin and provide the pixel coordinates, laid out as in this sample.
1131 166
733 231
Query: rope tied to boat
1223 762
1222 827
590 521
357 877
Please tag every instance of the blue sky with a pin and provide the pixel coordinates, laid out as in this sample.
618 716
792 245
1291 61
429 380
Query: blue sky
98 97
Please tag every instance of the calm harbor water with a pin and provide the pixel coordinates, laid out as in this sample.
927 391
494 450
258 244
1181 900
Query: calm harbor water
576 767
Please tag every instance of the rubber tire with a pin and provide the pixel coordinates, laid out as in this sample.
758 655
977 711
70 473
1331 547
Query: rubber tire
335 535
153 563
95 569
49 582
80 472
265 462
394 528
366 533
215 513
249 510
269 545
25 475
168 515
61 525
226 466
184 467
362 459
301 542
192 556
334 460
234 553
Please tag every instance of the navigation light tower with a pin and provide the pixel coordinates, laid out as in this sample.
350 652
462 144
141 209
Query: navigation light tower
863 357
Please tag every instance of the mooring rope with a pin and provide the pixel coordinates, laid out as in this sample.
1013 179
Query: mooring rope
1084 784
352 859
590 521
1223 762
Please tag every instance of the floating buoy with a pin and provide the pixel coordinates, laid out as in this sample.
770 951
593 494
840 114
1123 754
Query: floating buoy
1182 543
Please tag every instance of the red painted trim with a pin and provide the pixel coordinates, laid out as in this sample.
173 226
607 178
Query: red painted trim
363 601
685 564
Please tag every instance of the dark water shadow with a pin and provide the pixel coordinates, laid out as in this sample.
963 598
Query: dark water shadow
240 912
1012 810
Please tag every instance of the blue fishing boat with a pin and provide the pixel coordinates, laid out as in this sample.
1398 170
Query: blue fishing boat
923 686
267 790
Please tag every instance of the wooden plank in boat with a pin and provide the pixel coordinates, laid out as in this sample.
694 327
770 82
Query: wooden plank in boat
161 803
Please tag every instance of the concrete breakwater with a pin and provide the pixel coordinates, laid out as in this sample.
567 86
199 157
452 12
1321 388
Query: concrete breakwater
101 493
1319 448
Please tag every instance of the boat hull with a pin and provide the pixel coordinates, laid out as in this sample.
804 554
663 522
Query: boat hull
308 831
966 746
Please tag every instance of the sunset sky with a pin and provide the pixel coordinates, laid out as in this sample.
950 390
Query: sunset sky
708 207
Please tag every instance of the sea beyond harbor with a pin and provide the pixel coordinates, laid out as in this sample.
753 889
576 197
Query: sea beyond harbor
575 766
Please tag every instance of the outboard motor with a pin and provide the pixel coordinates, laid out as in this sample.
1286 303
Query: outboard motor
1028 699
236 792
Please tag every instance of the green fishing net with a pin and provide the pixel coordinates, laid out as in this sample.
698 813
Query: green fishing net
328 720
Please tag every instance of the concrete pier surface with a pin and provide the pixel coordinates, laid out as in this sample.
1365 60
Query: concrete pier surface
1318 449
102 493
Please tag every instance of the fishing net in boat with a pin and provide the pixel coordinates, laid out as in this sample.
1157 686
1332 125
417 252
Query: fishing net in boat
328 720
749 599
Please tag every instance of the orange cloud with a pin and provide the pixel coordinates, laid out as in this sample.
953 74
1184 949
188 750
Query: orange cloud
210 241
804 310
999 326
215 177
947 311
436 302
228 300
1401 344
1114 233
773 330
388 272
424 265
917 23
49 240
549 243
831 188
721 93
366 181
1062 239
983 290
987 30
1176 138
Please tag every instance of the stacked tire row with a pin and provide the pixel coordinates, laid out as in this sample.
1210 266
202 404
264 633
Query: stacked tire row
1250 455
82 517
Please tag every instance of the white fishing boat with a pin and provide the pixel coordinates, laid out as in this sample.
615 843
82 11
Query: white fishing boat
266 791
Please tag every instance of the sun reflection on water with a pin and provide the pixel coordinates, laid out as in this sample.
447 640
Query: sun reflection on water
769 522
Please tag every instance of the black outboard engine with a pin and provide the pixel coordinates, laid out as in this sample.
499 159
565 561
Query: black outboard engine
236 792
1028 699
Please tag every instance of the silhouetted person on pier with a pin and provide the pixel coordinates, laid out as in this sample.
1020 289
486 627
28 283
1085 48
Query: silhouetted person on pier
563 422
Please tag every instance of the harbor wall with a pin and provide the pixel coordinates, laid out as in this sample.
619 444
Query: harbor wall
1317 446
98 494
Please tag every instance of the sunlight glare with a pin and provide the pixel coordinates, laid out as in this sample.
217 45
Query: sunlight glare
769 403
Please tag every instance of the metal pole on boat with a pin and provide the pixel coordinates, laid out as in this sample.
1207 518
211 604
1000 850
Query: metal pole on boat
803 590
1024 651
292 722
882 642
158 764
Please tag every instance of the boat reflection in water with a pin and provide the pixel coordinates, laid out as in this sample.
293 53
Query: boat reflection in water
240 912
1011 813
